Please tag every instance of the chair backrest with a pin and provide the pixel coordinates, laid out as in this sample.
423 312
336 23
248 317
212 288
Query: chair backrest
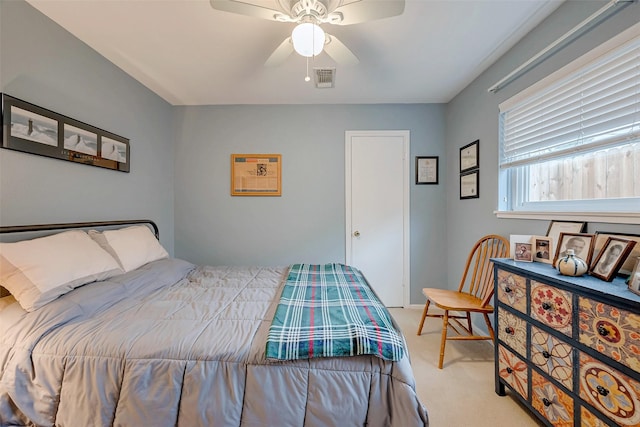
479 268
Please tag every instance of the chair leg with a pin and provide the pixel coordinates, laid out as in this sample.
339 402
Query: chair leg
443 340
489 327
469 323
424 316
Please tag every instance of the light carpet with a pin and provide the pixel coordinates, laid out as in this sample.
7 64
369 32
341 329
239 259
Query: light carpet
462 393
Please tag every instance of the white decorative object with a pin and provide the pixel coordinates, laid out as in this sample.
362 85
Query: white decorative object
571 265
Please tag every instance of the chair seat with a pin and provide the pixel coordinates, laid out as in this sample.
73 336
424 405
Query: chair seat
455 301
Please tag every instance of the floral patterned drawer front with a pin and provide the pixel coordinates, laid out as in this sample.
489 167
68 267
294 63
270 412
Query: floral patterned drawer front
587 419
553 356
610 331
613 393
512 330
551 402
551 306
513 370
512 290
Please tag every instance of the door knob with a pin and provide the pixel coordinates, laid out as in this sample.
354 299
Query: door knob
356 234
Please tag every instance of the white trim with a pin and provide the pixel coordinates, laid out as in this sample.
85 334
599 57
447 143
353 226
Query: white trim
604 48
405 134
606 217
563 41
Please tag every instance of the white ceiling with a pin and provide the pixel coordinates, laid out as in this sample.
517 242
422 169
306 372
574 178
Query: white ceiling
190 54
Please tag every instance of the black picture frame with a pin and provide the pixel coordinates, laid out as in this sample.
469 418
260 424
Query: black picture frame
470 156
427 170
32 129
470 185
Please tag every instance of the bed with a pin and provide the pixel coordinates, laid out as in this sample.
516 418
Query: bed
153 340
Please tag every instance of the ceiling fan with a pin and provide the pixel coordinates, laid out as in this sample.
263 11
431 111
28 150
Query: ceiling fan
308 39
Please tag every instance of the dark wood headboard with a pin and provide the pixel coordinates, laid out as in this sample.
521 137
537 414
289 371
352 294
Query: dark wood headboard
10 229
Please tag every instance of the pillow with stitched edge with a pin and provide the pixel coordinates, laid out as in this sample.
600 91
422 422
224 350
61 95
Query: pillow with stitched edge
132 246
37 271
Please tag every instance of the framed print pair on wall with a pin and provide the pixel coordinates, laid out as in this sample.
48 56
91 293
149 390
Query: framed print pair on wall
470 171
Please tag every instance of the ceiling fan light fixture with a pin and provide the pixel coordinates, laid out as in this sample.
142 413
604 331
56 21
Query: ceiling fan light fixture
308 39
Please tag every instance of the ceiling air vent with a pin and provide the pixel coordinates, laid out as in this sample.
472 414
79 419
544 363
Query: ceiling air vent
324 77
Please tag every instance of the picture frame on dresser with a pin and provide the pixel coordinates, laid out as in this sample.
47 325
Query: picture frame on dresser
634 278
557 227
543 249
613 254
581 243
628 264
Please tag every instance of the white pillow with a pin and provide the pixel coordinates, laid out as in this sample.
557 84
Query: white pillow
38 271
131 246
6 301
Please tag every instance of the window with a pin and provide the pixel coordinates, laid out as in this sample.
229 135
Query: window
571 143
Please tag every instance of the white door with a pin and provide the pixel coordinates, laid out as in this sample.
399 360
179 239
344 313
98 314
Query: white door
377 211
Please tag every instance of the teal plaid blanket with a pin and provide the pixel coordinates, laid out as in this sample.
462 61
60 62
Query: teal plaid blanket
330 310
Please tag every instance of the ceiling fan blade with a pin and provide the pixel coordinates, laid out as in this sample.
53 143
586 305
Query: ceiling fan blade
241 8
281 53
368 10
339 52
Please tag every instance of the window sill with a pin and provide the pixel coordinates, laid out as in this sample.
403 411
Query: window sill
606 217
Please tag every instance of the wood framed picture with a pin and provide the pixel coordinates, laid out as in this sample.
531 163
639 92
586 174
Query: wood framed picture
470 185
426 170
629 263
514 240
32 129
580 243
470 156
542 249
523 252
557 227
610 259
634 278
256 174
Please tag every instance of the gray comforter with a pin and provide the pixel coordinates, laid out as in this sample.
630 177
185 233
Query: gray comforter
171 344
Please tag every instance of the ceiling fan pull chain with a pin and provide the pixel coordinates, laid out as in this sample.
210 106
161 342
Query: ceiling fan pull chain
307 78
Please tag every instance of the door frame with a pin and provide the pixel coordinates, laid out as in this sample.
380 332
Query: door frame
405 134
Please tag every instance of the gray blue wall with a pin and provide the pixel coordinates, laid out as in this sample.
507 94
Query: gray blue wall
473 114
43 64
180 155
306 224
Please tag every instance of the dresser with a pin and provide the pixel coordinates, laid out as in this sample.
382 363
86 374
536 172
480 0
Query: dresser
567 347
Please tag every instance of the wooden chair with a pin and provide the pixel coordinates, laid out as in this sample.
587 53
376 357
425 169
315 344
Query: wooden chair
472 298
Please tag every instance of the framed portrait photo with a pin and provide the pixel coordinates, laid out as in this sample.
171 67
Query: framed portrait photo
470 156
634 278
542 249
580 243
629 263
610 259
557 227
523 251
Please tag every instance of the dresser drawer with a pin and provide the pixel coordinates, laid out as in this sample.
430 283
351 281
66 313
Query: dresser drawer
553 356
551 402
551 306
513 371
611 331
610 391
587 419
512 290
512 330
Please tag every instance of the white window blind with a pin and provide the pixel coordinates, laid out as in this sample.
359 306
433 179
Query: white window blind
594 107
